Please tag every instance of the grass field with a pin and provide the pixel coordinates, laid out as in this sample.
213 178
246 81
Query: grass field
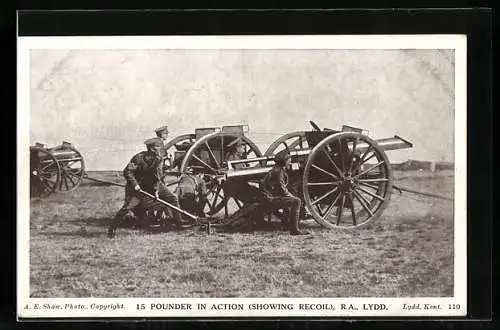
408 251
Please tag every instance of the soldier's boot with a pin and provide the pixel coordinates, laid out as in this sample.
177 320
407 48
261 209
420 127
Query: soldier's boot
294 223
177 221
114 223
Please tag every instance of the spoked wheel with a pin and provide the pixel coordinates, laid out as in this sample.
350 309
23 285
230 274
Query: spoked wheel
72 167
45 174
292 141
209 156
176 148
347 181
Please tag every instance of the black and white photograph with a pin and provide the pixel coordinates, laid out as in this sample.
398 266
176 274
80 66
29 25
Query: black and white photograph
242 176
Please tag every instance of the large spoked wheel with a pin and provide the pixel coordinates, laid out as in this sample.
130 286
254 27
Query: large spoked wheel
347 181
209 156
45 174
176 148
293 141
72 167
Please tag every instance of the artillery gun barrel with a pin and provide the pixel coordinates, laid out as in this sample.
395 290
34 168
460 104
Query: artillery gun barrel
258 167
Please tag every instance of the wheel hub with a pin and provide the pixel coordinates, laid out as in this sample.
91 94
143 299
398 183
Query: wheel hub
348 183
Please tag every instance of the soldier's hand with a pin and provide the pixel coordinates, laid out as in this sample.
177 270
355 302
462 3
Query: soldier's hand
157 196
137 187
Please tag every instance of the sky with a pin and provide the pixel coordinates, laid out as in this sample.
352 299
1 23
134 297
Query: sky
107 102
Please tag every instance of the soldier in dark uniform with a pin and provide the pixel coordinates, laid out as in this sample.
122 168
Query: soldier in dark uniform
275 193
144 171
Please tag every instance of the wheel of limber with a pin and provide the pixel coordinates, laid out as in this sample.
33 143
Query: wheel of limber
208 156
176 148
292 141
347 181
45 174
71 164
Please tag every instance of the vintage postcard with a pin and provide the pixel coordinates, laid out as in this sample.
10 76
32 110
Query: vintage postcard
241 176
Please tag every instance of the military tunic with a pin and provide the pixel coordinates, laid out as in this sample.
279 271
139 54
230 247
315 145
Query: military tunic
144 169
276 195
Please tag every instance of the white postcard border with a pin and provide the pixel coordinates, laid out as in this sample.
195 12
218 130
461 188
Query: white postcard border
132 307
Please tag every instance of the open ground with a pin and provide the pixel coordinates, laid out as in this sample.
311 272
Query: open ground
407 252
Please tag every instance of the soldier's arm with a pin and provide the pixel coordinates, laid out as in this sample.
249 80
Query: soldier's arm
129 171
157 175
282 184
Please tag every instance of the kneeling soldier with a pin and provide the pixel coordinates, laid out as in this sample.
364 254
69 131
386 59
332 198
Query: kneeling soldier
144 172
275 192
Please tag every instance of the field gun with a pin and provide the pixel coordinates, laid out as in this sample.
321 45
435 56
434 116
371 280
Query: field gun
343 177
57 169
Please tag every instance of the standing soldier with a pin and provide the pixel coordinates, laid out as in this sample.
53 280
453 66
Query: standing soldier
276 194
144 172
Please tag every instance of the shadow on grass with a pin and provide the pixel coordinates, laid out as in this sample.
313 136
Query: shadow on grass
94 222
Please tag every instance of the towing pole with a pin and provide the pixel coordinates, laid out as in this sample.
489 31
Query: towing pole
421 193
193 217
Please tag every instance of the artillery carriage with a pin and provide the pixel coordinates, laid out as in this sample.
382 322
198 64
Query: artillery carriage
60 168
344 178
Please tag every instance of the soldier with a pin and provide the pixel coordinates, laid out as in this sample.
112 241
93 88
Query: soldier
162 133
275 193
144 172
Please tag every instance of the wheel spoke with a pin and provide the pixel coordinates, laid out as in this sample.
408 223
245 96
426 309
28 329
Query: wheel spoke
70 179
352 154
47 182
225 200
373 180
380 198
365 160
330 208
368 170
324 196
212 154
331 160
363 202
341 209
324 171
366 153
216 197
341 151
76 175
237 202
295 143
65 180
353 211
368 185
336 183
47 166
206 165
